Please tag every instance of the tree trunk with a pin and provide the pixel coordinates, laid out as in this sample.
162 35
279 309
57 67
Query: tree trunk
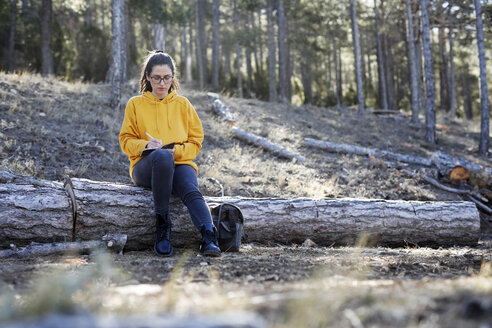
452 83
115 70
255 42
420 77
190 45
335 63
132 42
369 64
87 13
215 45
358 73
329 70
238 53
484 98
186 57
272 83
33 210
11 47
389 67
198 47
389 74
383 98
227 64
282 52
307 75
256 35
260 39
159 42
467 92
103 15
362 61
203 39
47 67
443 71
25 6
413 70
249 69
123 43
430 106
290 69
339 76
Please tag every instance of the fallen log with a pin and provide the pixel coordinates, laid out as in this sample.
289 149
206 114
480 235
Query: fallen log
351 149
266 144
111 242
33 210
446 164
220 108
436 184
231 319
103 207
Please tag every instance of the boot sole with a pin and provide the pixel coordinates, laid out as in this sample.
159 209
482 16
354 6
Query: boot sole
211 253
164 254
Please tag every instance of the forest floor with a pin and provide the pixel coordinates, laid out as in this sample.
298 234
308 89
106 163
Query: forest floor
50 129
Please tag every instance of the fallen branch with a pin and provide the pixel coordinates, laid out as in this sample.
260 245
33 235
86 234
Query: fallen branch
221 109
104 207
481 205
435 183
265 144
113 242
351 149
388 112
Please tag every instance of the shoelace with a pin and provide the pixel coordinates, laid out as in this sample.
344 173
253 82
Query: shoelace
209 238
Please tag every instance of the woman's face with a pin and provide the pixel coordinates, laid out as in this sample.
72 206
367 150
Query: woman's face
160 78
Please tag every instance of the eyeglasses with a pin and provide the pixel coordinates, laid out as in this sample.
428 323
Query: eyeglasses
157 79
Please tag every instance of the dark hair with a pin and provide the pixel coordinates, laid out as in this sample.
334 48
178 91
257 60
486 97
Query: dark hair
157 57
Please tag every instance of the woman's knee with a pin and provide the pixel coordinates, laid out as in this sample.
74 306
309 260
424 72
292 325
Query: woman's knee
162 158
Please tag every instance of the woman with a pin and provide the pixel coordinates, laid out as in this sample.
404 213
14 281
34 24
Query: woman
159 116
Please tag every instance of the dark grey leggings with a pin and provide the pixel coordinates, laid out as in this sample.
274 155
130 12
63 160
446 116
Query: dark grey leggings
158 171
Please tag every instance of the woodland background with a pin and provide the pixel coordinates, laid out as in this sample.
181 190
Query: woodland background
289 51
288 71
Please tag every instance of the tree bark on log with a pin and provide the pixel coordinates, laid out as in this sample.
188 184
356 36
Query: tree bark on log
265 144
103 207
33 210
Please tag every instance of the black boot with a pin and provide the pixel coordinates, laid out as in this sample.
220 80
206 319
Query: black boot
162 246
209 246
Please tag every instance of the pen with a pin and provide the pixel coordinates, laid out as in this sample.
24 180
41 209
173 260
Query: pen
151 137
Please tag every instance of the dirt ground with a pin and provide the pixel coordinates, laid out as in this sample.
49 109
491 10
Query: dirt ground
50 129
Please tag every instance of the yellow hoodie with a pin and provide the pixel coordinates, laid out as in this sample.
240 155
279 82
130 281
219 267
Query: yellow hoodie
172 119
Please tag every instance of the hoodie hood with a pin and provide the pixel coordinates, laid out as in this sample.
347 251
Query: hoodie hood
169 98
172 96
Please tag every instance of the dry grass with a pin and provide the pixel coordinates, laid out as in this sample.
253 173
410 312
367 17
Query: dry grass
52 128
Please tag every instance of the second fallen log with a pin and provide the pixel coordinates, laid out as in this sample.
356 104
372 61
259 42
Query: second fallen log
266 144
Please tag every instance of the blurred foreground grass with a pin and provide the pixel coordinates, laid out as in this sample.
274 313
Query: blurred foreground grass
332 296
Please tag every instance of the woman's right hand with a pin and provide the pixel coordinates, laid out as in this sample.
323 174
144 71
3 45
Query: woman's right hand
154 143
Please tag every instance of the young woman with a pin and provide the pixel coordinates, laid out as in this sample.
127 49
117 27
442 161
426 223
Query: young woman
158 117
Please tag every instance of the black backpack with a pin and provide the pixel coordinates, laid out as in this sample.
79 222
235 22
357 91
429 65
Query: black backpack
228 220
